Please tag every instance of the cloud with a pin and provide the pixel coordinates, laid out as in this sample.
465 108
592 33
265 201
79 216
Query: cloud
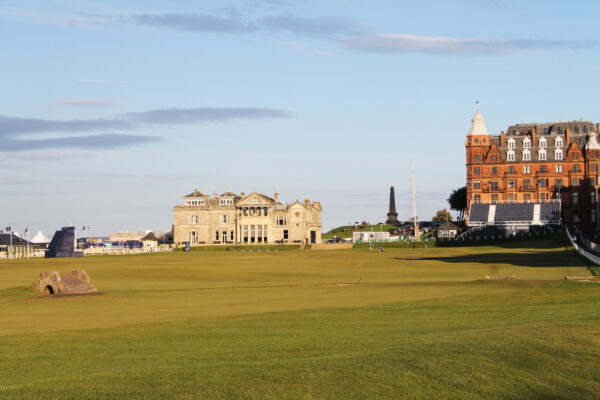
204 114
13 128
96 142
89 102
323 27
197 23
406 43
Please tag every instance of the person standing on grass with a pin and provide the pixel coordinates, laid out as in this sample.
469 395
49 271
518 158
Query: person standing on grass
381 249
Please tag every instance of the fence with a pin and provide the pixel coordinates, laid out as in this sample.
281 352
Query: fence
593 258
123 251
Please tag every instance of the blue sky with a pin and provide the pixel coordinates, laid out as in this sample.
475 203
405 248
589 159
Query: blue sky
111 111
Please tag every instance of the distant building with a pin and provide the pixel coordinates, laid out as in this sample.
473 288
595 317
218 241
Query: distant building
372 236
239 219
536 163
447 230
149 241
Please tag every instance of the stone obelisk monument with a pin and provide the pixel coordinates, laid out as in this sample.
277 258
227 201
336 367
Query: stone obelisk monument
392 215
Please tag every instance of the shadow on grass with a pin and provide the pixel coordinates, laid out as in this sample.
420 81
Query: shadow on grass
531 259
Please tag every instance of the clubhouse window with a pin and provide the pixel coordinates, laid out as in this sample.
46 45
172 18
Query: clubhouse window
476 171
476 184
285 234
511 169
217 236
280 220
543 169
193 219
526 169
494 170
558 168
526 184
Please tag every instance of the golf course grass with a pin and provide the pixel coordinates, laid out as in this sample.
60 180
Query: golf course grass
347 324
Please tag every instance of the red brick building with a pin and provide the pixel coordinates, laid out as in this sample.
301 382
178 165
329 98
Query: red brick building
536 163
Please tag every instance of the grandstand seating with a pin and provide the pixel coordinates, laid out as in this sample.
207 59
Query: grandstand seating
550 213
514 212
491 232
479 213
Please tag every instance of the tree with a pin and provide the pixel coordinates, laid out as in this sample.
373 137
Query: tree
442 215
458 201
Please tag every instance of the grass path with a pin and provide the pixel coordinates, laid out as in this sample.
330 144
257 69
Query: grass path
421 324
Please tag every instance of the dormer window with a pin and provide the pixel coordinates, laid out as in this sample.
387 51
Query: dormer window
542 143
558 154
542 154
576 129
513 132
226 202
511 143
559 130
558 142
545 131
526 143
584 129
510 155
526 155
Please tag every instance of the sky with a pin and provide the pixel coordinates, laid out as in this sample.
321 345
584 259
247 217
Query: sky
112 111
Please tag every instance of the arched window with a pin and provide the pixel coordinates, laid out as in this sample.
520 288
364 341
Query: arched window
559 130
526 155
558 154
542 143
542 154
545 131
526 143
584 129
510 155
511 143
575 129
558 142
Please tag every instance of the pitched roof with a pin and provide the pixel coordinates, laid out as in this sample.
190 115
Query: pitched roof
448 226
16 240
197 193
150 236
229 194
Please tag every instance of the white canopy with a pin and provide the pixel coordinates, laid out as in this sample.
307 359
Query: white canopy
40 238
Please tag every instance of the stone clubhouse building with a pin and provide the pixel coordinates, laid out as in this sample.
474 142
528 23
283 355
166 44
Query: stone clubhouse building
231 219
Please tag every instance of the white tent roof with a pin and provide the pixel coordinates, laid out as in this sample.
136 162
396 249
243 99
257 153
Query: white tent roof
40 238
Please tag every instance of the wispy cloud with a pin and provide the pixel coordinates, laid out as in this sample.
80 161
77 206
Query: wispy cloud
204 114
194 23
323 27
89 102
406 43
100 133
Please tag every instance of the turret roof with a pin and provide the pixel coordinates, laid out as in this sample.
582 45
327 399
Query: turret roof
478 125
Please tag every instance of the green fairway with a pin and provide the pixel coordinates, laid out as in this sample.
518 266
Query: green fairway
405 323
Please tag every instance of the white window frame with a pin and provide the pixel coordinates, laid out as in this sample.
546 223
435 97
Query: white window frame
542 143
526 143
526 155
558 168
558 142
510 155
542 154
558 154
511 143
526 169
224 219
